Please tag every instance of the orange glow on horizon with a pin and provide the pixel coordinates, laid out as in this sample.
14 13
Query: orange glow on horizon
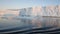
9 12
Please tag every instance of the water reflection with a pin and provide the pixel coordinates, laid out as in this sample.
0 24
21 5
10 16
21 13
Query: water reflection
31 23
45 22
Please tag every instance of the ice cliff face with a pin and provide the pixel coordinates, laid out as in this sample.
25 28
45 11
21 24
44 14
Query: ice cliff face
41 11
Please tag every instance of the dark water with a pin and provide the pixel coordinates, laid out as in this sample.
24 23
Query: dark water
22 23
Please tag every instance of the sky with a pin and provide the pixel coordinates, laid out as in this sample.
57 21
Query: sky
18 4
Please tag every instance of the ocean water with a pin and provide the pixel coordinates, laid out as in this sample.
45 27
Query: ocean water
22 23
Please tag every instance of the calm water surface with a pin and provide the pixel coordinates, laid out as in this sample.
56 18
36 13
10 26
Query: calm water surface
30 23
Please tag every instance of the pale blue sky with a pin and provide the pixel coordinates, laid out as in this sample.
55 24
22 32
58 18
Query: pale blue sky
17 4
